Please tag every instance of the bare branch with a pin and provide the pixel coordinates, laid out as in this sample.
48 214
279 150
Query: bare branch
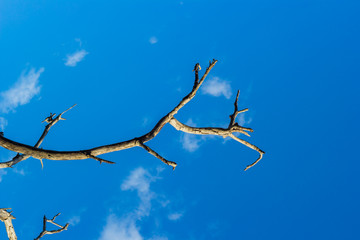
6 217
79 155
21 157
197 68
152 152
261 152
139 141
44 231
219 132
223 132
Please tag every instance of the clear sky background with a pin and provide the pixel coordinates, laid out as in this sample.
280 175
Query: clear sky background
128 63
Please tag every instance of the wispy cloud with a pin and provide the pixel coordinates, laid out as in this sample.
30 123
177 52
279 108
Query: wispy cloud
73 59
19 171
153 40
128 225
120 229
175 216
190 142
3 123
217 87
125 228
74 220
242 120
139 180
158 238
2 174
22 92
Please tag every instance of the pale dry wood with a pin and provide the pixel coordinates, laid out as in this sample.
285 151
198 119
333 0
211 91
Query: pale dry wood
152 152
51 122
140 141
6 218
44 231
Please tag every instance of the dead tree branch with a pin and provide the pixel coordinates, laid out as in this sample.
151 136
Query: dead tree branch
44 231
139 141
6 218
152 152
51 122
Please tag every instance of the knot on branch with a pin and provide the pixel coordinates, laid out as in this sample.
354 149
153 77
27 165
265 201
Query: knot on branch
49 119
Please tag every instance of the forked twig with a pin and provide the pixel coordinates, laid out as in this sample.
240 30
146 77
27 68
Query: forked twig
44 231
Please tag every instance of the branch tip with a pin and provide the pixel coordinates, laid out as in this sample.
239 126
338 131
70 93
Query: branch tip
155 154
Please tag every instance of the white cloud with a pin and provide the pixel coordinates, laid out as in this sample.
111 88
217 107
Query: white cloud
2 173
190 142
19 171
73 59
120 229
140 180
128 225
175 216
22 92
242 120
3 123
153 40
145 121
217 87
158 238
79 41
74 220
125 228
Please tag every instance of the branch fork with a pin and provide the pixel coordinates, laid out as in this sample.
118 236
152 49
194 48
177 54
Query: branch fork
52 221
26 151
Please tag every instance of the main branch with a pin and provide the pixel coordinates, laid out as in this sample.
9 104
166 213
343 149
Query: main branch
26 150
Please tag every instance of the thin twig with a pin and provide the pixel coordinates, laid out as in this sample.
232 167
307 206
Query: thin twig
21 157
152 152
261 152
98 159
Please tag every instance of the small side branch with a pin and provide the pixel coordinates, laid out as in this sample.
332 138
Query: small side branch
236 111
152 152
51 122
44 231
223 132
97 158
261 152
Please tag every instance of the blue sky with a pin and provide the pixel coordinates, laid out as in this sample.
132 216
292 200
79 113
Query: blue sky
128 63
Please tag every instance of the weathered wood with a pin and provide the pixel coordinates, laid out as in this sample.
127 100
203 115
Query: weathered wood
7 218
93 153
